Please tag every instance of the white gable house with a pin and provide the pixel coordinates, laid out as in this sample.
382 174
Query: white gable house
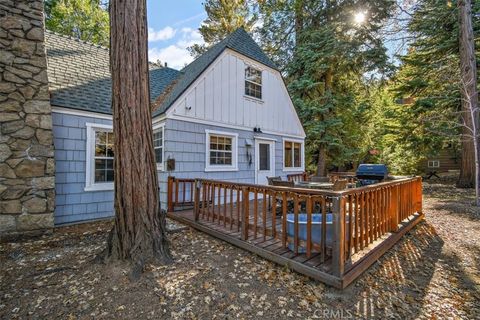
226 116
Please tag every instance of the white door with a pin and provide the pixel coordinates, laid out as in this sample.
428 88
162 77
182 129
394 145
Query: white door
264 160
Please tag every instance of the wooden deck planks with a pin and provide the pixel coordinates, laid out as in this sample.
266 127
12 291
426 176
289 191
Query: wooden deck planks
317 265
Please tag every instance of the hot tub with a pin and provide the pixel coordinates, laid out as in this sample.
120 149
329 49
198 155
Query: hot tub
316 229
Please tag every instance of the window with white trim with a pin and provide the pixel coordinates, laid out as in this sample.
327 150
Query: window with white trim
253 82
158 146
292 156
221 151
434 164
99 157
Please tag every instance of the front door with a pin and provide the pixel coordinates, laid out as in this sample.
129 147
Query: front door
264 160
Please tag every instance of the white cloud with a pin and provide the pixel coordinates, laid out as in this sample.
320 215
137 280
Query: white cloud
177 55
161 35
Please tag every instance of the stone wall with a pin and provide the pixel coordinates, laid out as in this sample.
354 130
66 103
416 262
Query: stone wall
26 143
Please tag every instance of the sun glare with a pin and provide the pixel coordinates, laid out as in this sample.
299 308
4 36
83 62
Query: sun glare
360 17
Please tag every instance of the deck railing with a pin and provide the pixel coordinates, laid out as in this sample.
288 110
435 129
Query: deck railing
297 177
335 225
180 193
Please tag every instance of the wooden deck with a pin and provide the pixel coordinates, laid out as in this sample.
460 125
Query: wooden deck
331 236
262 241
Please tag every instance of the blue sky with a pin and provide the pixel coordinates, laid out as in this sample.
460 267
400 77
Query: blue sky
173 26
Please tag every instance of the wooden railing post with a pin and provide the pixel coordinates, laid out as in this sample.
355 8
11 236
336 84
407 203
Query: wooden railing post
245 212
170 193
338 250
393 210
419 196
196 198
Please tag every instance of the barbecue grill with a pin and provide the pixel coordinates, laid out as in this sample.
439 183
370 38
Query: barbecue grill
368 174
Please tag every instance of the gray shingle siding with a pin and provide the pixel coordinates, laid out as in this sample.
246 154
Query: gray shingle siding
185 142
73 204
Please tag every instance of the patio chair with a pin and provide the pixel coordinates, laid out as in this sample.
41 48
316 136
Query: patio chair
271 179
279 199
340 184
319 179
280 183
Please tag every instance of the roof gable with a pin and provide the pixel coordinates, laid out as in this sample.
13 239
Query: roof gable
239 41
79 72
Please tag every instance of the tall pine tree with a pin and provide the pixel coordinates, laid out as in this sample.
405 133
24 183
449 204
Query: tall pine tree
326 55
430 74
224 17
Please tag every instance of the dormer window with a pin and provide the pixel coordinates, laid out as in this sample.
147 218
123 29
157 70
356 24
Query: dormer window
253 82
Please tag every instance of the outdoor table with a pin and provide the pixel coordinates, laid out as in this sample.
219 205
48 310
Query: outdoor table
314 185
319 185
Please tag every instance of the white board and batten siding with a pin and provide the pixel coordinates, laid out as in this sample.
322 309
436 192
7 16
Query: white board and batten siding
217 97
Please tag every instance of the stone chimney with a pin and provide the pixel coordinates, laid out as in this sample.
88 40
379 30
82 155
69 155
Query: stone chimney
27 173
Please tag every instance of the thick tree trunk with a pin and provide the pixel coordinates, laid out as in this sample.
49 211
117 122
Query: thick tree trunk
322 148
468 72
322 161
298 21
139 232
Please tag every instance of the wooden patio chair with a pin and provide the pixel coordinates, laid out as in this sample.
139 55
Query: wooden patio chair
279 199
280 183
340 184
271 179
319 179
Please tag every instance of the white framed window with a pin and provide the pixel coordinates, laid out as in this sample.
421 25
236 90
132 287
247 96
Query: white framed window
253 82
293 159
99 157
434 164
158 145
221 151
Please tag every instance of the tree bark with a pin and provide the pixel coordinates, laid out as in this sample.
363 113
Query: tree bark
298 22
468 72
322 148
138 235
322 161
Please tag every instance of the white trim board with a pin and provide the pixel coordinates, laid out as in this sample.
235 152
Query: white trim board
160 126
271 144
90 184
228 126
302 155
91 114
220 168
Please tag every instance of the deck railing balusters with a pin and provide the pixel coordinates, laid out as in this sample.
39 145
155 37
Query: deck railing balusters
366 214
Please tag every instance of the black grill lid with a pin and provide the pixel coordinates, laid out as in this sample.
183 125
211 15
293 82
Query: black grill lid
372 171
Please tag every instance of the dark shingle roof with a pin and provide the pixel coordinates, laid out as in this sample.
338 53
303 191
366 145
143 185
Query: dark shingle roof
79 74
239 41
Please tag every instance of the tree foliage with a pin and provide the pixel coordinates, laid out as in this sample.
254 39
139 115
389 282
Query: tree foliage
327 57
429 78
83 19
224 17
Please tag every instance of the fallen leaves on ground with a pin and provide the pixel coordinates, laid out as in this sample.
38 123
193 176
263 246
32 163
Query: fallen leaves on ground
432 273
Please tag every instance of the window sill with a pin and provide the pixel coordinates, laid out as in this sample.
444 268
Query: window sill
220 169
293 169
99 187
160 167
253 99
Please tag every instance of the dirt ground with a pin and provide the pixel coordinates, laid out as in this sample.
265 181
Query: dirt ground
432 273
